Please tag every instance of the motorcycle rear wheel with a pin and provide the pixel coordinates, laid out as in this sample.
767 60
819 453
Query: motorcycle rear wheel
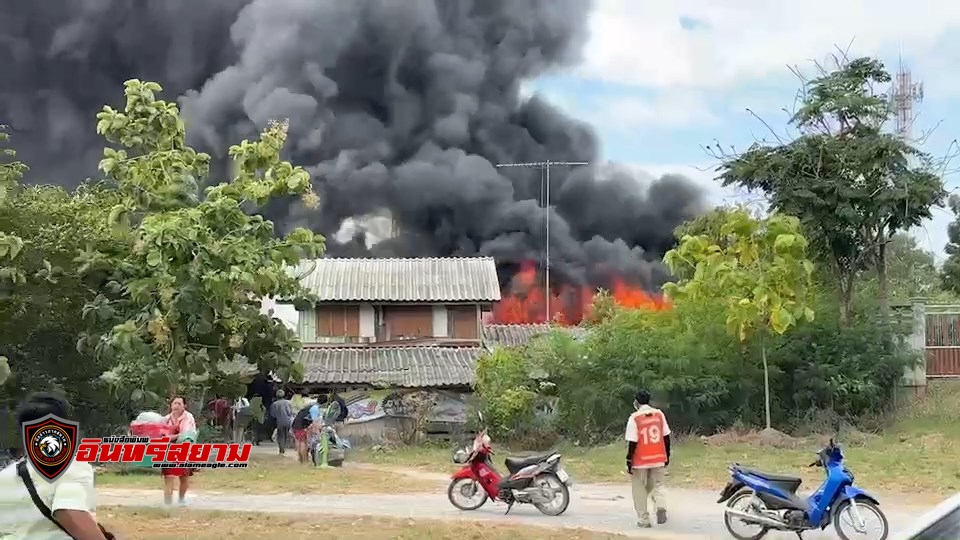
563 492
459 484
728 520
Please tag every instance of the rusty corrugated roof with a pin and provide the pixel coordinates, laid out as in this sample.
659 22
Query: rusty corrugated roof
411 367
437 279
514 335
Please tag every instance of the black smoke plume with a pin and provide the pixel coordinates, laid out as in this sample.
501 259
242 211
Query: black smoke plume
401 106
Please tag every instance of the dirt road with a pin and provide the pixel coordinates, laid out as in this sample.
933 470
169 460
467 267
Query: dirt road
693 513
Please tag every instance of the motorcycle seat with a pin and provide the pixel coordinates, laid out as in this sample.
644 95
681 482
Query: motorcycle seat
514 464
792 481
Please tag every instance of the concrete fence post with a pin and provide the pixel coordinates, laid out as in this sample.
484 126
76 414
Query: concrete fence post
916 377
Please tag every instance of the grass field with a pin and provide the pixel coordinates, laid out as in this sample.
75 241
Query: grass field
275 475
153 524
917 454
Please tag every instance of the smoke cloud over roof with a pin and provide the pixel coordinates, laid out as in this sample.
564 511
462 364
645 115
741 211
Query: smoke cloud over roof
397 107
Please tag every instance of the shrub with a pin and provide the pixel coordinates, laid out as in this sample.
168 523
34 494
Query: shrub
508 394
701 376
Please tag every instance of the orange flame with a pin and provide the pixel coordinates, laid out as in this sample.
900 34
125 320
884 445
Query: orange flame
524 301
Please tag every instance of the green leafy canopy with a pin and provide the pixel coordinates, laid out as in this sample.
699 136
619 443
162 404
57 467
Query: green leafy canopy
179 301
760 273
851 182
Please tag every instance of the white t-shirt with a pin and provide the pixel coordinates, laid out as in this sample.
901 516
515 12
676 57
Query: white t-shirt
19 517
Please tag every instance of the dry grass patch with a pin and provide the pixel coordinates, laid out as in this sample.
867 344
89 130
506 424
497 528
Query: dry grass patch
277 475
154 524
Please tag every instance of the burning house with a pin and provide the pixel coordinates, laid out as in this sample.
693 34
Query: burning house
383 328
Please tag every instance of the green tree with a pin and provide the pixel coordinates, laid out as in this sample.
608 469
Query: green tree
950 273
911 272
40 319
10 245
762 277
11 171
852 184
179 302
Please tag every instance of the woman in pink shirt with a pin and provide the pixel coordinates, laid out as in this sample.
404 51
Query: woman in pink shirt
180 421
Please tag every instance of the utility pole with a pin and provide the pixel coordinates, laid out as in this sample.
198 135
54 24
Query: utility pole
544 167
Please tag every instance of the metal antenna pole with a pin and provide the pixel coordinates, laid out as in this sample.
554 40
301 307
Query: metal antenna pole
544 166
546 272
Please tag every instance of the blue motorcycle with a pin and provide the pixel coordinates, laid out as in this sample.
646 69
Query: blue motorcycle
766 502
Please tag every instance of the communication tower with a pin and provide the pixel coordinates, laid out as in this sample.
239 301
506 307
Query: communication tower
905 93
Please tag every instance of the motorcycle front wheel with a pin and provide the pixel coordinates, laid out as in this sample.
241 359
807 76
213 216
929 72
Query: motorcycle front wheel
469 489
560 491
845 519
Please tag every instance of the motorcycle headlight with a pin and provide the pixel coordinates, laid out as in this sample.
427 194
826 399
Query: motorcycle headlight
460 456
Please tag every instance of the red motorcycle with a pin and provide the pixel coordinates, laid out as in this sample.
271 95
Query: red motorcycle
537 480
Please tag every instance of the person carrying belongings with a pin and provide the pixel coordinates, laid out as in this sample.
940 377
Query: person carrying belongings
648 454
301 423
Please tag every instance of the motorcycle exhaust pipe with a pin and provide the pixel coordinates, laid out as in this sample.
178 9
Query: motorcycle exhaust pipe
754 518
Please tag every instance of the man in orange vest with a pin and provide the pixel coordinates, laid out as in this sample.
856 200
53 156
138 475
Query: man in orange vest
648 453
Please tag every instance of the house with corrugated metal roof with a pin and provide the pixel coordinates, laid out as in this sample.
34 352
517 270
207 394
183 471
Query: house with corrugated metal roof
408 323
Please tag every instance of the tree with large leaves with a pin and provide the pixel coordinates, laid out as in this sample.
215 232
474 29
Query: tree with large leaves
10 245
180 301
760 274
852 183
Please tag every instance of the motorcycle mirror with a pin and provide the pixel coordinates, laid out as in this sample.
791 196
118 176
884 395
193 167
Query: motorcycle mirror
831 445
480 416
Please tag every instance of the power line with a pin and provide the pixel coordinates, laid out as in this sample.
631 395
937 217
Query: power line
544 167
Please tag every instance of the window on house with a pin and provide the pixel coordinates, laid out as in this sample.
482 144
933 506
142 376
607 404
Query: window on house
408 322
462 322
338 321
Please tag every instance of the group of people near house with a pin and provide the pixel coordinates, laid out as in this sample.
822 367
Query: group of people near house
303 426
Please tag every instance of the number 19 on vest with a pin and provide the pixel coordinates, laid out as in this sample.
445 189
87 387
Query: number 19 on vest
651 451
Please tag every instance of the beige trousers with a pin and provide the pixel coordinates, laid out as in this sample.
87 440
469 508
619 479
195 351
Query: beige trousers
647 484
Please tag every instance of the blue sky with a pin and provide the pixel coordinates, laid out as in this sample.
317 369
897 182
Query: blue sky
661 80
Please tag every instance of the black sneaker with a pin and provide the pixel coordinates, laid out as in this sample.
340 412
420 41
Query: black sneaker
661 516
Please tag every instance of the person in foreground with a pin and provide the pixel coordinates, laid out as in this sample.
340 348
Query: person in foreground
648 454
181 422
62 510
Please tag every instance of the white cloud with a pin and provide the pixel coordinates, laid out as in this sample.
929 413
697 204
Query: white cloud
642 43
670 109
